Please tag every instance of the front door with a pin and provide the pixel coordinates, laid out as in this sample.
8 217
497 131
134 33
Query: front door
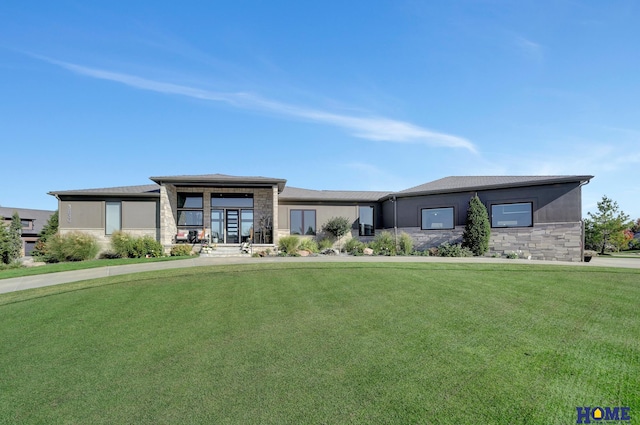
232 226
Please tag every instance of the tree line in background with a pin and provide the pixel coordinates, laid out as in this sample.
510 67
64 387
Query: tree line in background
610 229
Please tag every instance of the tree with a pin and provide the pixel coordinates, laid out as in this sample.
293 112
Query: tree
478 229
10 240
49 229
606 226
635 227
337 227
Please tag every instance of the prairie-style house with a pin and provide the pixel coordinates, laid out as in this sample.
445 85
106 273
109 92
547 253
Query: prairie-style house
541 216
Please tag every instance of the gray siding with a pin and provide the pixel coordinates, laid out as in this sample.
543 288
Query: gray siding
139 215
559 203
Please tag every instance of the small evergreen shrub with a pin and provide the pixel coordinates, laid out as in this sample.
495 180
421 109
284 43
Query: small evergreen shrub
288 244
75 246
180 251
455 250
405 244
383 244
354 247
309 245
478 229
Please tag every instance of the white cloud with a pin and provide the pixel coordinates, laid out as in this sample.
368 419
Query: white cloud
370 128
530 49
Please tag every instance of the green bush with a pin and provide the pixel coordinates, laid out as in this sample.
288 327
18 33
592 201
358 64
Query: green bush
455 250
405 244
383 244
180 251
337 226
309 245
477 231
128 246
325 243
288 244
74 246
354 246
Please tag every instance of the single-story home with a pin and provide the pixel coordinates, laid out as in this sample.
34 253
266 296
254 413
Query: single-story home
32 222
540 216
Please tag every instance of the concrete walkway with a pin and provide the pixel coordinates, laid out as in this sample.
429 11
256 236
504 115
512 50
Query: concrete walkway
37 281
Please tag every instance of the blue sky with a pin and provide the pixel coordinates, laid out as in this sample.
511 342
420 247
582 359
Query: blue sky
375 95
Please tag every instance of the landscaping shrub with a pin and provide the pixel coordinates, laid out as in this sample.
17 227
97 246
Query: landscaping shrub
478 229
405 244
128 246
354 247
180 251
325 243
383 244
337 226
309 245
288 244
455 250
75 246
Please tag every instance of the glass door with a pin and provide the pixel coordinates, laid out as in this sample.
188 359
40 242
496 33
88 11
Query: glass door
232 226
246 225
217 226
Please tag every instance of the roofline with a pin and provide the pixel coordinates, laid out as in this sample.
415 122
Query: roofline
239 181
562 179
113 194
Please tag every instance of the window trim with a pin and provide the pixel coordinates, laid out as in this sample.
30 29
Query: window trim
530 203
453 217
373 220
315 221
106 217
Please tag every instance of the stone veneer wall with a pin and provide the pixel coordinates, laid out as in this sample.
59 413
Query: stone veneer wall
263 204
549 241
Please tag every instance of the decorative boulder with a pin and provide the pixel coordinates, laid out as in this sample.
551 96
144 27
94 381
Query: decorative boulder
367 251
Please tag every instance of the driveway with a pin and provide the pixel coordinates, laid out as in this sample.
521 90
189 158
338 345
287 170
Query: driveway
38 281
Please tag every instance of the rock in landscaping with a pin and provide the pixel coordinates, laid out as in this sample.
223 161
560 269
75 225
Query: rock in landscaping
367 251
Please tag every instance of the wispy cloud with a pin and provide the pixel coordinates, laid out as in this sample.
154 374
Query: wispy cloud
371 128
528 48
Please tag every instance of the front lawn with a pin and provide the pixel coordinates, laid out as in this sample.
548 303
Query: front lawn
314 343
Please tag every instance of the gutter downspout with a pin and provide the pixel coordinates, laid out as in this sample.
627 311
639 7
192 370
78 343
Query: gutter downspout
395 218
582 242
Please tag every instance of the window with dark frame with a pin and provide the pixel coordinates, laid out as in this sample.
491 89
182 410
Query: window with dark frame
437 218
365 221
302 222
512 215
190 210
113 217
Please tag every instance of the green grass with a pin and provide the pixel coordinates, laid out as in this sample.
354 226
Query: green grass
342 343
78 265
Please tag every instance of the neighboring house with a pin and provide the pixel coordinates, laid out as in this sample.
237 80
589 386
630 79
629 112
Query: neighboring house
32 223
538 215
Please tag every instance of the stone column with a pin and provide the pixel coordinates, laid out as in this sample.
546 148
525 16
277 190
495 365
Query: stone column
168 228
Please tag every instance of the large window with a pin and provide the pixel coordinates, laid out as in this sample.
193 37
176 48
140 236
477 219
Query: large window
512 215
113 217
190 210
303 222
232 200
437 218
365 220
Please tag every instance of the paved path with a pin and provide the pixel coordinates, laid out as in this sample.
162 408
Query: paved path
37 281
